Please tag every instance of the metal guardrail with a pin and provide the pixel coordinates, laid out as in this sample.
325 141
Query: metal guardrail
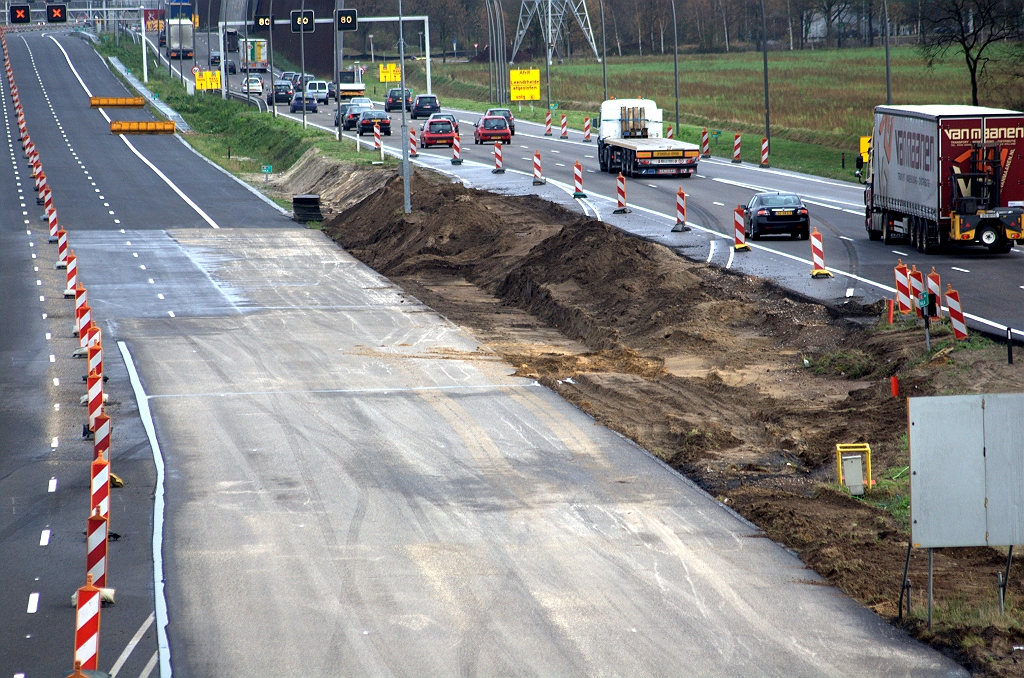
258 102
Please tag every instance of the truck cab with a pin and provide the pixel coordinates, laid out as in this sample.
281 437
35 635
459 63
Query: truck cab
630 141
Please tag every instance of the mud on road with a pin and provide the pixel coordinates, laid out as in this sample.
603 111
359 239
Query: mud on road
740 385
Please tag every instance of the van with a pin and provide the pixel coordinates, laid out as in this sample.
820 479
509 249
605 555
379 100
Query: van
318 88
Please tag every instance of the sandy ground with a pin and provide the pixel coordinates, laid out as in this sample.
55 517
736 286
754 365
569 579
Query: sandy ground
735 382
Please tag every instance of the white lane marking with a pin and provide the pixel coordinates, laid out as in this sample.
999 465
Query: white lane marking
849 292
55 443
163 646
843 237
142 266
33 603
131 646
732 253
159 296
44 538
700 176
813 199
52 487
554 151
711 251
53 358
589 156
902 254
170 313
559 164
720 204
652 185
151 665
56 381
150 281
47 336
42 298
134 150
136 254
957 268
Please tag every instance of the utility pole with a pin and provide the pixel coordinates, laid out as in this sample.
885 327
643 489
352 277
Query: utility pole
406 178
302 49
273 78
888 77
764 45
604 52
675 60
145 56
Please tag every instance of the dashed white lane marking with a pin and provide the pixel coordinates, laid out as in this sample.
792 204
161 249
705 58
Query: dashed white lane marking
44 538
48 336
589 156
159 296
170 313
559 164
55 443
116 668
849 292
843 237
142 266
56 381
53 358
150 666
652 185
52 487
720 204
33 603
902 254
957 268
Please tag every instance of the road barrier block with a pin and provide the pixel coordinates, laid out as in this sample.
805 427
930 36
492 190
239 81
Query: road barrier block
116 102
150 127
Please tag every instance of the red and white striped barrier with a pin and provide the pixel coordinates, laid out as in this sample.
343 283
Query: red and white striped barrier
101 438
764 152
818 256
62 249
620 196
51 217
956 314
93 335
705 144
586 128
680 225
96 549
376 137
499 167
87 626
100 486
670 134
934 284
457 150
916 289
538 174
95 397
577 181
739 231
736 148
83 316
95 359
72 275
565 127
902 288
81 297
547 124
412 143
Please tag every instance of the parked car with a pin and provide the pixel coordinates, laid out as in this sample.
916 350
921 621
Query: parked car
424 106
776 213
252 85
368 119
282 93
215 58
507 114
229 65
437 132
351 118
446 116
491 128
394 99
318 88
300 98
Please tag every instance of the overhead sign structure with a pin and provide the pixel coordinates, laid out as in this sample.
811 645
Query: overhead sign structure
524 84
20 14
390 72
56 14
208 80
263 22
347 20
303 21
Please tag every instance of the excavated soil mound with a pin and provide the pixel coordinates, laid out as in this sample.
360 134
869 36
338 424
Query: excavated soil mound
741 385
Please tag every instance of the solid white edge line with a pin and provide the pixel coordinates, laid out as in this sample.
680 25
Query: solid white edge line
732 254
711 251
159 599
252 189
134 150
131 646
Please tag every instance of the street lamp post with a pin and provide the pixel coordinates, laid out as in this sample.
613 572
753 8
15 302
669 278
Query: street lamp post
888 78
302 68
604 50
764 46
273 87
339 62
406 178
372 59
675 60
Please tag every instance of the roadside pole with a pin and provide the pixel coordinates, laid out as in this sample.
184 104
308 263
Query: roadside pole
223 61
339 42
406 178
302 49
675 64
273 77
764 45
145 56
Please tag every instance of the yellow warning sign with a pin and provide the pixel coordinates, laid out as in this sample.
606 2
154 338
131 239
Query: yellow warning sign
524 84
207 80
865 147
390 73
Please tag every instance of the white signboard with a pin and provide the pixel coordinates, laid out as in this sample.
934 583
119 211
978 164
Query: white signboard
967 470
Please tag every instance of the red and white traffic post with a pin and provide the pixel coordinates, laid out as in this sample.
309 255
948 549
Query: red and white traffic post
83 316
412 143
620 196
818 257
670 133
705 144
736 148
934 283
547 123
62 249
72 275
764 152
96 548
586 128
51 217
99 495
95 397
499 167
87 626
565 127
538 175
916 289
902 288
457 150
101 438
739 231
376 137
680 225
93 335
577 181
956 313
95 358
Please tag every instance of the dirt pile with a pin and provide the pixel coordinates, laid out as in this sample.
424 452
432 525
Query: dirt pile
339 185
737 383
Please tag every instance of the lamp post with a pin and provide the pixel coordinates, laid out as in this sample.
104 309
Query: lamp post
888 79
764 46
273 86
372 60
406 197
339 62
302 68
209 42
675 61
604 52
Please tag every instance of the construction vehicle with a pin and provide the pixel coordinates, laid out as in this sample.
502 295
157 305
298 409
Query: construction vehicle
630 141
942 176
180 35
253 53
350 83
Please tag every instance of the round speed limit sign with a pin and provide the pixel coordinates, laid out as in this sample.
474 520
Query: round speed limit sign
195 70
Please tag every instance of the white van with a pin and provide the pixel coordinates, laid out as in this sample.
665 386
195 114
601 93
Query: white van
318 88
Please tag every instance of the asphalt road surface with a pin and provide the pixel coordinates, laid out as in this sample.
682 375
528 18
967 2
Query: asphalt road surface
352 485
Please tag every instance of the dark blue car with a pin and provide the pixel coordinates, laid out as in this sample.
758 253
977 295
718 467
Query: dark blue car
310 100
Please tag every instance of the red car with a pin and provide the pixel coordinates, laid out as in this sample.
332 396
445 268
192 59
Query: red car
491 128
437 133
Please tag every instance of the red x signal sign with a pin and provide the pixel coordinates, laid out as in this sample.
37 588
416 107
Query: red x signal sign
20 14
56 14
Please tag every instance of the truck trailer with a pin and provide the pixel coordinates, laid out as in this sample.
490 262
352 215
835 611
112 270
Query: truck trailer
943 176
350 84
180 39
253 53
630 141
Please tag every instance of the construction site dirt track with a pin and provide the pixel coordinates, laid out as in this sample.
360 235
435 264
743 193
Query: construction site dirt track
737 383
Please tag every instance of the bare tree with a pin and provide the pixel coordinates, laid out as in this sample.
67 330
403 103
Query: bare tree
971 27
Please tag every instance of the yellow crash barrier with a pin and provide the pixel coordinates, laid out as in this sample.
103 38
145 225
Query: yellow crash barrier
116 102
129 127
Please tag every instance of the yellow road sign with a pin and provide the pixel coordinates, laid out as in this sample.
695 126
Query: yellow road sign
208 80
865 145
524 84
390 73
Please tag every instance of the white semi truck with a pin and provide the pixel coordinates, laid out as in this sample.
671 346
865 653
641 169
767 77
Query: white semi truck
180 43
254 55
630 141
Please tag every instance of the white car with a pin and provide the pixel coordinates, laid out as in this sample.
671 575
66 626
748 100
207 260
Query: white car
361 101
252 85
318 88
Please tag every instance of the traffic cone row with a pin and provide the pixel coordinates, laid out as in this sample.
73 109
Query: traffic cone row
89 597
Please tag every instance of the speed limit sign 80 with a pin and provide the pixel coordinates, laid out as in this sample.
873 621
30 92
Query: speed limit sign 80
302 21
